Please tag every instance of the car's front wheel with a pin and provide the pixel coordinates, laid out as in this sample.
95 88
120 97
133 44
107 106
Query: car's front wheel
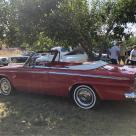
5 86
85 97
5 64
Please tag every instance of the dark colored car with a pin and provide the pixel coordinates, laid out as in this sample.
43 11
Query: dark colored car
22 58
4 61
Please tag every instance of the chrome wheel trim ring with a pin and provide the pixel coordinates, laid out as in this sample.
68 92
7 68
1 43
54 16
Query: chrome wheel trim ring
5 86
83 93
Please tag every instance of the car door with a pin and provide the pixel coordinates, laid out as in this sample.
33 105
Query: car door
31 79
59 81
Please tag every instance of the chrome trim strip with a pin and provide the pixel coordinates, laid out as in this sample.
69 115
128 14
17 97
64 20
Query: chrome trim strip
91 76
38 72
55 68
75 74
32 72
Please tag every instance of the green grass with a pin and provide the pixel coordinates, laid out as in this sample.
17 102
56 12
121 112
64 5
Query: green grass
38 115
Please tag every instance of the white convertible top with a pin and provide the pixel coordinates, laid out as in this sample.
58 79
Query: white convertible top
88 65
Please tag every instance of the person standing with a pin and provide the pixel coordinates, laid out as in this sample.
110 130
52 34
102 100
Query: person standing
114 53
133 55
122 55
128 61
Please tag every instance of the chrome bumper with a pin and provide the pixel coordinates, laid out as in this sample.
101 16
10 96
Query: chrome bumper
131 95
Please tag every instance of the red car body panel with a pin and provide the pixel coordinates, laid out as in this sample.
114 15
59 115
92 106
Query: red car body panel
58 79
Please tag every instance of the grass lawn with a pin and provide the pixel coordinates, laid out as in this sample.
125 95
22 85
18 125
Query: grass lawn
25 114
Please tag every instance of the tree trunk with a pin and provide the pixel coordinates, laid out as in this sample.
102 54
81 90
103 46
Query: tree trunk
88 50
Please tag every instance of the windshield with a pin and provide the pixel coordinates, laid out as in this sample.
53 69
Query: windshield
42 58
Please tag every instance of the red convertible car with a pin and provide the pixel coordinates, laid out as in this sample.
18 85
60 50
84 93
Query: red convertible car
86 83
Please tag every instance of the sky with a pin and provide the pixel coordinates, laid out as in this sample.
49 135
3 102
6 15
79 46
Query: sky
131 28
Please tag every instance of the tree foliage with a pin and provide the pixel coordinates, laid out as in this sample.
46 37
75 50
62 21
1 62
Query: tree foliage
131 41
41 24
117 14
75 24
21 21
8 22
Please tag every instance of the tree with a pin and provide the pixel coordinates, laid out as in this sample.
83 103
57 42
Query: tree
131 41
31 16
118 14
8 22
40 24
3 18
21 20
75 24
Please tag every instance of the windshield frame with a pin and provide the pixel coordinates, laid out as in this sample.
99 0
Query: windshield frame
31 60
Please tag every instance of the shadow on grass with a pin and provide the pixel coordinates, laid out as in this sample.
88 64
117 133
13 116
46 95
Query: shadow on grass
33 114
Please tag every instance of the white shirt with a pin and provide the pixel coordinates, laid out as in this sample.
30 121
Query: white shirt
114 52
133 55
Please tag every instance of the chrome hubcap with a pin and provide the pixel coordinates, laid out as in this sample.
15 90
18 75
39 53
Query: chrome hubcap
84 97
5 86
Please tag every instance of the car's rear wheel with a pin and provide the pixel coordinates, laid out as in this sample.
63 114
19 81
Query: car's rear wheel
85 97
5 86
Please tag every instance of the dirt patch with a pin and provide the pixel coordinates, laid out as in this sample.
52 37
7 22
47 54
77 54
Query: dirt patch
10 52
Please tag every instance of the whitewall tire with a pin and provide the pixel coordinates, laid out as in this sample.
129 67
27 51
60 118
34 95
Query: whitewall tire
85 97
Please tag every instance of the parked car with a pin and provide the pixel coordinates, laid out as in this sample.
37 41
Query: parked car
62 50
86 83
20 58
76 55
4 61
73 56
45 57
79 55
